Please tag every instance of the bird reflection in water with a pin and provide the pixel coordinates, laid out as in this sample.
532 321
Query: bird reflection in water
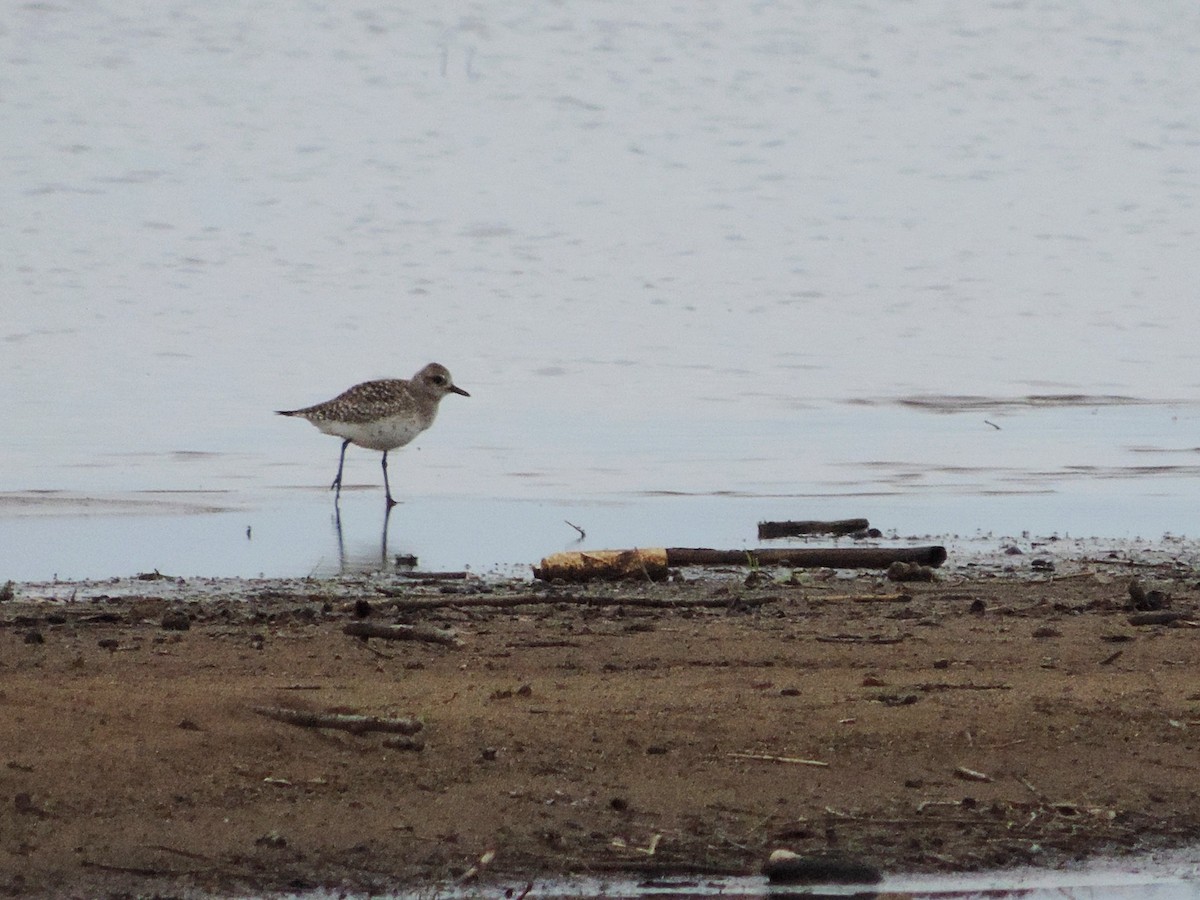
358 563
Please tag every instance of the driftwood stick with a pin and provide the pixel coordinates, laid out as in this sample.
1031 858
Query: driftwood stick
355 724
769 530
654 563
809 557
401 633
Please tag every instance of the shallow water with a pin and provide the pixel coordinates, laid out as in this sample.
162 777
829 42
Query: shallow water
1170 878
697 266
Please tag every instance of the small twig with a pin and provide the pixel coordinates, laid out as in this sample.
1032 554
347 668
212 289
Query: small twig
355 724
582 533
766 757
650 847
993 424
970 774
479 866
188 853
1029 787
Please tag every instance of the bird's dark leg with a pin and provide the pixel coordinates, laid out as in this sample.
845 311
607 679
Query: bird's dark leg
386 487
337 482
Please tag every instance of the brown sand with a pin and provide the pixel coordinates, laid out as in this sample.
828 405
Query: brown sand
573 738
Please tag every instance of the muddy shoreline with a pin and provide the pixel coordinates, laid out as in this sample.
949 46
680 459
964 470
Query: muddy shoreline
1005 714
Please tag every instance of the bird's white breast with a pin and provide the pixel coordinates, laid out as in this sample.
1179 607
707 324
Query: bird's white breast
380 434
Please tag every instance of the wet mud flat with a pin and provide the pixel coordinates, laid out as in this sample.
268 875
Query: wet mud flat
988 718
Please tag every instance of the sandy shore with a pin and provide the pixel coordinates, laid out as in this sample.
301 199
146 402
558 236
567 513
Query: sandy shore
987 719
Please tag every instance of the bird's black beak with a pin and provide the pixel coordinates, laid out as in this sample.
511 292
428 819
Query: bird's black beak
455 389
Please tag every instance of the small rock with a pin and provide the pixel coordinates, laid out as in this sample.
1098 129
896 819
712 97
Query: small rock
271 839
7 592
1147 601
34 637
904 571
1046 631
176 620
362 608
488 754
620 804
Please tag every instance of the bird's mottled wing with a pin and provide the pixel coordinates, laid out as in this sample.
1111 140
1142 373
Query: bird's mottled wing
363 403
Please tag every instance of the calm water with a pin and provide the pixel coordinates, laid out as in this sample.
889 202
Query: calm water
698 264
1138 879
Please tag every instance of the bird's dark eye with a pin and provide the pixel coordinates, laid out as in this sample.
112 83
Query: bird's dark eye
439 379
